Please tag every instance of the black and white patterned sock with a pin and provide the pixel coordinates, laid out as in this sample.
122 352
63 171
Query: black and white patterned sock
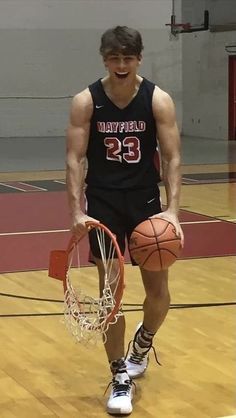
118 366
144 337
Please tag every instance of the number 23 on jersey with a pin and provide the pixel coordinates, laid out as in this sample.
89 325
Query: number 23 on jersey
128 149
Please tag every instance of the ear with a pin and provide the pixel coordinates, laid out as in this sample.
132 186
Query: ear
140 58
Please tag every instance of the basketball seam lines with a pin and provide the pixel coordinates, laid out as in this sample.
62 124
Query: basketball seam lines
157 241
148 245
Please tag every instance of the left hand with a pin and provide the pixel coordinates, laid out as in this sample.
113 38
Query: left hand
173 218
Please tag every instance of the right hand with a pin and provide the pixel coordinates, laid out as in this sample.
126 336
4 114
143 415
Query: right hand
78 227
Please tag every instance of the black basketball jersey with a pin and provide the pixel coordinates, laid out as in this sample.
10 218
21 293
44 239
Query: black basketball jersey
122 142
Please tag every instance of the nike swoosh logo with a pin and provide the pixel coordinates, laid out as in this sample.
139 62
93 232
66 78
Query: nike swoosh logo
98 107
150 201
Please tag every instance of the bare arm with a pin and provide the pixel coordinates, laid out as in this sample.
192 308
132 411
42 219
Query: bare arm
77 143
169 142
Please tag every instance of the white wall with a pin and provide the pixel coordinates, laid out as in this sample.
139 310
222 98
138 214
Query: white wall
205 84
205 69
220 11
49 51
84 14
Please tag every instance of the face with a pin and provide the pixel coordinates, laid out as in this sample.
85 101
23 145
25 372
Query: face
122 67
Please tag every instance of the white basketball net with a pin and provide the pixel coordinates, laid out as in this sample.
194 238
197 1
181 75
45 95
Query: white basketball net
86 317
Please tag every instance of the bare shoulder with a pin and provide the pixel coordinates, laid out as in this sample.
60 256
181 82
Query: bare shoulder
82 99
162 104
81 107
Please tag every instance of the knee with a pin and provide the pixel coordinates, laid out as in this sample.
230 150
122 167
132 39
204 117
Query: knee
158 291
157 295
156 285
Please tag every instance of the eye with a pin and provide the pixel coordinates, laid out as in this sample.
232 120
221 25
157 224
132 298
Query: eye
129 59
113 58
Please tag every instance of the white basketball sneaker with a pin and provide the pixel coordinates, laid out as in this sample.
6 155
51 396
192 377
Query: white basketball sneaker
120 400
137 361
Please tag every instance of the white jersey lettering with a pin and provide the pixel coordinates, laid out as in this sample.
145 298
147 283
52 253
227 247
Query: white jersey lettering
121 127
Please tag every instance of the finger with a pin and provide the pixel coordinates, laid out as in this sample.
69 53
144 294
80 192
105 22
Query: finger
95 220
157 216
181 238
79 230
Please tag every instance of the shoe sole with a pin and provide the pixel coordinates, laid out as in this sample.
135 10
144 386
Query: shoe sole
137 376
118 412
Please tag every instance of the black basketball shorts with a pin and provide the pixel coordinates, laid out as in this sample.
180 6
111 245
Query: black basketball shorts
121 211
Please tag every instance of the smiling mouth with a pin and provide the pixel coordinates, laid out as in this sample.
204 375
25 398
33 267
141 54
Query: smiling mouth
122 75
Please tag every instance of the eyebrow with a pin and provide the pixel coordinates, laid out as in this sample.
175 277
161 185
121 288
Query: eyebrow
111 54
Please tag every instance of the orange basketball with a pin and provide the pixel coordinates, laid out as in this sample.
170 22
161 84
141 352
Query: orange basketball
154 244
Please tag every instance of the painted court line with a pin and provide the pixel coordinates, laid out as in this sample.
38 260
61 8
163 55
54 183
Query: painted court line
59 181
3 234
6 234
35 187
16 185
228 416
201 222
189 180
11 187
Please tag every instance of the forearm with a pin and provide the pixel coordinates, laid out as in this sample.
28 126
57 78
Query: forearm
75 175
172 182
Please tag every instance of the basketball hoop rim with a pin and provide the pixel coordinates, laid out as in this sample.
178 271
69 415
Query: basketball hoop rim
74 241
178 26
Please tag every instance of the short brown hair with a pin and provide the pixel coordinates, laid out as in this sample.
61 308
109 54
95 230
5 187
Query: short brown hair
121 39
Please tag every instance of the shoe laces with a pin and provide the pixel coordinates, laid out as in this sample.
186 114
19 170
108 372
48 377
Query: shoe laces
120 389
137 357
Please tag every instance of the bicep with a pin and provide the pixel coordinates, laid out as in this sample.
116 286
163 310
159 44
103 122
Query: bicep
77 140
79 127
166 124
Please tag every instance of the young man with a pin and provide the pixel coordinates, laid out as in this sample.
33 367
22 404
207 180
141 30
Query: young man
115 124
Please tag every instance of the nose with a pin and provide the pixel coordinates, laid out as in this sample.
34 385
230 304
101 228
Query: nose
121 64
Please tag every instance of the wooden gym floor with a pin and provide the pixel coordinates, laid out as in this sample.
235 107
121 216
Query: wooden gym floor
44 373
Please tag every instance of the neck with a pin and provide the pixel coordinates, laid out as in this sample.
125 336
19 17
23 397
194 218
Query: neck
125 90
